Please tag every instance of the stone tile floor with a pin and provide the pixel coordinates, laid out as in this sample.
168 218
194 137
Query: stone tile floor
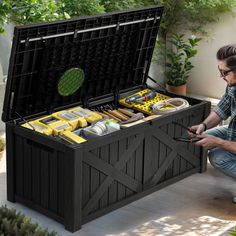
199 205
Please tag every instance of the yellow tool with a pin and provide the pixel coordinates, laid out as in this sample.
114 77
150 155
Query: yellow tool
71 137
143 100
55 124
74 120
90 116
38 127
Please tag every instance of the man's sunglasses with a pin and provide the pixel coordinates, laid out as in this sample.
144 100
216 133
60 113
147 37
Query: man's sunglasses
224 73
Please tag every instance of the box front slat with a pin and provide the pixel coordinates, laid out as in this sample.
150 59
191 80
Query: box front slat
45 179
105 157
27 170
20 166
121 187
36 175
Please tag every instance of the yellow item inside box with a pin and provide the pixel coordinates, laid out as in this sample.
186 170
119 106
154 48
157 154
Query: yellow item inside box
55 124
71 137
146 106
89 116
63 122
74 120
38 127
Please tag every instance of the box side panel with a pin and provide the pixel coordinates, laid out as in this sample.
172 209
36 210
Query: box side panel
39 176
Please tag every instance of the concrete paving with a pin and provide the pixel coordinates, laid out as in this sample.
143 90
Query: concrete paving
199 205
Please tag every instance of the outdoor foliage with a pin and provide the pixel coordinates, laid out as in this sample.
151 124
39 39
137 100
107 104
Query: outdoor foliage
16 223
111 5
2 144
30 11
80 7
189 14
178 59
232 232
4 11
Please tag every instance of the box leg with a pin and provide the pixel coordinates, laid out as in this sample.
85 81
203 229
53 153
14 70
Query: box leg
204 155
10 163
73 192
203 160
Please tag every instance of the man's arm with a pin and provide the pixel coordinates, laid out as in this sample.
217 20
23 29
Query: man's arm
209 141
221 112
227 145
211 121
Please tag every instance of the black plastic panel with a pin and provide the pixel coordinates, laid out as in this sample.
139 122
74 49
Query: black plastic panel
114 50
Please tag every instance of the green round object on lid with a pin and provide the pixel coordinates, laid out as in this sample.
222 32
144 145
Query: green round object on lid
70 81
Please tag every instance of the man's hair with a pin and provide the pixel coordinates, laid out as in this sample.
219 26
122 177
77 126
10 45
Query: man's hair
228 54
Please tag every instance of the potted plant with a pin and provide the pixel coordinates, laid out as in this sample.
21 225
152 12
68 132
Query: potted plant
2 147
178 64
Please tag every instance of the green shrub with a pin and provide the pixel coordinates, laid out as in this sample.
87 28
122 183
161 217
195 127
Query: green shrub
2 144
31 11
178 59
15 223
80 7
111 5
232 232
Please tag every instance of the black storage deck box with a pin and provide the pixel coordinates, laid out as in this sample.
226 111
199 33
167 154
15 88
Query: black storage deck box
74 184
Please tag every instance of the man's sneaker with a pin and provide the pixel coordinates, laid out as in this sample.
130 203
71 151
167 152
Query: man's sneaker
234 199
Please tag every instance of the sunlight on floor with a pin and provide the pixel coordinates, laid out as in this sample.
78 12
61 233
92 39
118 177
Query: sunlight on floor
200 226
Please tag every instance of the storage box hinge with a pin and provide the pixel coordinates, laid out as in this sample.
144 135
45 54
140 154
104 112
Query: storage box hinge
27 42
145 72
75 34
50 111
117 26
11 100
116 96
85 102
155 19
14 122
150 122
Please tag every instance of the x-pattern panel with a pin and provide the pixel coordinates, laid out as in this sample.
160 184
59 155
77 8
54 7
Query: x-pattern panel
112 172
175 150
173 145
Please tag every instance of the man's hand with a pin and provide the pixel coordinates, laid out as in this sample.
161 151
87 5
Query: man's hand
208 141
197 128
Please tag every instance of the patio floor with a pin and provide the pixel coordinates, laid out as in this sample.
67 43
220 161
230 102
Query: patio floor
199 205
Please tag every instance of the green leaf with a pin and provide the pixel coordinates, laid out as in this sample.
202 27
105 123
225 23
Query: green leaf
178 62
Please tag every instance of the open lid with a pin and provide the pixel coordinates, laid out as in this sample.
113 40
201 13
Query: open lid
114 52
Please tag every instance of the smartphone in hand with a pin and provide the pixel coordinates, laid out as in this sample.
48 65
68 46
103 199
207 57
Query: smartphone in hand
187 140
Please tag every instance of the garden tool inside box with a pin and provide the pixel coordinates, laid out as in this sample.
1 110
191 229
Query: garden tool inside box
75 183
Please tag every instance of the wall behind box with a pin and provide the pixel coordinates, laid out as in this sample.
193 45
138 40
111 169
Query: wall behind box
2 92
214 102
